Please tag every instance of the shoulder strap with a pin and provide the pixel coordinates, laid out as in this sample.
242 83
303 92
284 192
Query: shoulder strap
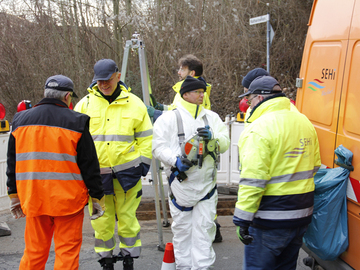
206 121
181 133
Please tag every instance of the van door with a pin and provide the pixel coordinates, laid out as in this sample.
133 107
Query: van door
348 135
322 70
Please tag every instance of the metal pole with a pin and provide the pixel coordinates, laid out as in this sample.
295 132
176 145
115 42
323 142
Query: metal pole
268 44
166 222
146 89
146 85
136 43
125 60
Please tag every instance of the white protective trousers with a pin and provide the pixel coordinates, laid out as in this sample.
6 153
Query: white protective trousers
193 237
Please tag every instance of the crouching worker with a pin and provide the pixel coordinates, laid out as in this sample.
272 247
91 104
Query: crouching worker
52 168
192 180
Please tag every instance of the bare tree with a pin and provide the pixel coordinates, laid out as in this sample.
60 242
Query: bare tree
41 38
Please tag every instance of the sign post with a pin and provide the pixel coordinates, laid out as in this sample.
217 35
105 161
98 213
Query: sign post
269 35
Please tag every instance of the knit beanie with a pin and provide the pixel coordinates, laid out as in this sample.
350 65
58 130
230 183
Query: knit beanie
252 74
190 84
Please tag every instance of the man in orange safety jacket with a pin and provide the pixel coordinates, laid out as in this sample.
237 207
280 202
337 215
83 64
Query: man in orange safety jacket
52 170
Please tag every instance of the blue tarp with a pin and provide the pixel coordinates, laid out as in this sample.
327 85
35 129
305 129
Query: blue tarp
327 235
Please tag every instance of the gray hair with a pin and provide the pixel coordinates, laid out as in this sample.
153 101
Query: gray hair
52 93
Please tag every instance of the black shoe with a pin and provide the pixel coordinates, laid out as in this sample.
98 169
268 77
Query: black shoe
128 263
106 263
218 236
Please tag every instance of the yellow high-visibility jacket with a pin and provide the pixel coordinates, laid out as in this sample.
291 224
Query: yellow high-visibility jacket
206 102
122 133
279 156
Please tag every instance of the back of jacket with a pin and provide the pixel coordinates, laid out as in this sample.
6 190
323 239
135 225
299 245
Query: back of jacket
48 178
279 155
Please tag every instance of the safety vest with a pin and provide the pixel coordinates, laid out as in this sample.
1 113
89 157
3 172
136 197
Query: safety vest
48 178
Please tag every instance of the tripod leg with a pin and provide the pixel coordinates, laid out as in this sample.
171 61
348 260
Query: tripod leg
166 222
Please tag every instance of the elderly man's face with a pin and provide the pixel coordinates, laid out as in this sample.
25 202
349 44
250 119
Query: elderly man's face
253 100
109 86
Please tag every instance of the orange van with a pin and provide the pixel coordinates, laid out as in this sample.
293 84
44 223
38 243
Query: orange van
329 93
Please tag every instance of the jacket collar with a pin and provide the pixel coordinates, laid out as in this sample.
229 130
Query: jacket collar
94 89
193 109
52 101
273 103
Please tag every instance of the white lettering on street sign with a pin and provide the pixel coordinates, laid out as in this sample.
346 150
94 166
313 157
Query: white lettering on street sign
260 19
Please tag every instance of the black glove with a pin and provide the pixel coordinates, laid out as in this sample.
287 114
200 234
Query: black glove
243 234
205 132
159 106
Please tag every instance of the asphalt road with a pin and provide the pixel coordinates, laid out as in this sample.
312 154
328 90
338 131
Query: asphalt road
228 253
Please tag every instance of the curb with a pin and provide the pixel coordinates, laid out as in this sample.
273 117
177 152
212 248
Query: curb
146 209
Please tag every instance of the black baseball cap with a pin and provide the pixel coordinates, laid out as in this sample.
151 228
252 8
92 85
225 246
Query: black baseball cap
60 83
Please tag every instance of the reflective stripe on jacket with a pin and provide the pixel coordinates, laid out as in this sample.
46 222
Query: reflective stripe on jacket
279 156
48 179
122 133
206 102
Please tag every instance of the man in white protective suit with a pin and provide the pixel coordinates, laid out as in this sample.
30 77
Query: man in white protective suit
192 194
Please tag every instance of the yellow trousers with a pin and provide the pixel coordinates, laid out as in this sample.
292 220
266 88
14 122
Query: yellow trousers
122 206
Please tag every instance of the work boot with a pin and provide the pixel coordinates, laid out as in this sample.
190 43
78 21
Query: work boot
106 263
218 236
128 263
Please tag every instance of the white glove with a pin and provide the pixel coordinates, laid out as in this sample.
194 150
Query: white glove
15 208
98 208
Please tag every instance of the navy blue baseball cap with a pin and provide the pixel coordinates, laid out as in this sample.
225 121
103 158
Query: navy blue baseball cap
252 74
103 69
60 83
262 85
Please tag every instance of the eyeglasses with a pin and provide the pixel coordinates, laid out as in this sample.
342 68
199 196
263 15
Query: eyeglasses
71 94
249 101
198 92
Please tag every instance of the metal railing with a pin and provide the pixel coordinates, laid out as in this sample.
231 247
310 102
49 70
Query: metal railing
228 169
